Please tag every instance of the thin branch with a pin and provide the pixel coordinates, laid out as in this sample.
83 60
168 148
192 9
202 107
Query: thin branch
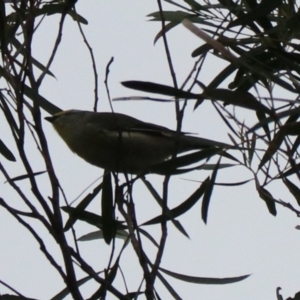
96 92
55 48
89 270
36 236
106 82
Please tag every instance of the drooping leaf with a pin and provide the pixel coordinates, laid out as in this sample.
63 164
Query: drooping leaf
267 197
148 236
203 49
156 88
236 98
167 28
108 219
222 76
204 280
41 101
169 287
294 190
6 152
82 215
208 192
252 148
75 213
31 94
286 113
91 218
3 41
159 200
210 167
273 147
293 170
172 16
8 115
181 208
261 116
96 235
238 183
21 48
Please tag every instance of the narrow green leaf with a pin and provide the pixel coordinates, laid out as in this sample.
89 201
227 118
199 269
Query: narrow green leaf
6 152
3 41
159 200
65 292
294 190
30 93
210 167
290 60
22 177
8 115
260 11
91 218
174 16
168 287
208 193
167 28
181 229
96 235
261 116
252 148
268 198
182 208
294 169
273 147
21 48
77 211
86 216
170 166
203 49
196 6
234 183
222 76
148 236
204 280
237 98
156 88
108 219
284 114
41 101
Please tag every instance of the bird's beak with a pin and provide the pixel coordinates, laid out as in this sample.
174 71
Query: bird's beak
50 119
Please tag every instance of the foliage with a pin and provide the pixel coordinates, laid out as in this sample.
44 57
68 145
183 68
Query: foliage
259 42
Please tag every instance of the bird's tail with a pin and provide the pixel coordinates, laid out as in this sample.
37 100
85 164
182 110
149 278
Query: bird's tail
192 142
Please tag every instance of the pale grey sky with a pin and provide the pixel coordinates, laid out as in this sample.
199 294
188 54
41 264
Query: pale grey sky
241 237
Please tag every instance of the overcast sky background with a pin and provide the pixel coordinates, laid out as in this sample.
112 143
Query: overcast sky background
241 237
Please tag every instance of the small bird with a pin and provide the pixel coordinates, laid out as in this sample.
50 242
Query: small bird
120 143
